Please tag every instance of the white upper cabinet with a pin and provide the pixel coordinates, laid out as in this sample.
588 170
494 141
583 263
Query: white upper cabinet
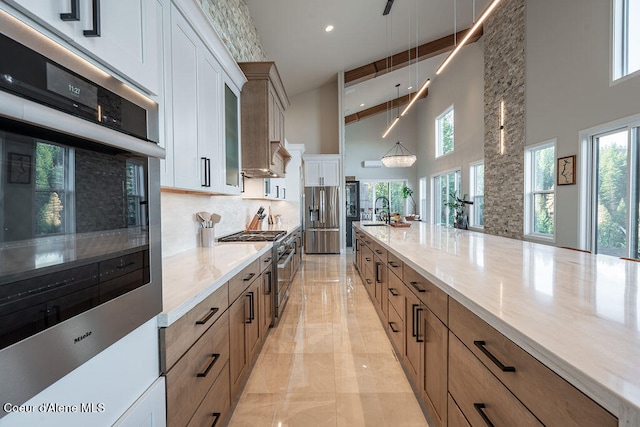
202 105
123 35
321 170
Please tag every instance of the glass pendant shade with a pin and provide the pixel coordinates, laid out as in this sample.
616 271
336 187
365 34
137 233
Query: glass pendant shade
398 157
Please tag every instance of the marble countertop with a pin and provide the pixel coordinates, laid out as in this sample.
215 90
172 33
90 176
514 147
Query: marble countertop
576 312
190 276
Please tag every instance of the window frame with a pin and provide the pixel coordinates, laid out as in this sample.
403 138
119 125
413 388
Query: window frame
530 193
372 206
436 202
620 43
472 193
438 129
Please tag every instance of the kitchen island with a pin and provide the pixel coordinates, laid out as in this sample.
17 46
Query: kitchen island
575 312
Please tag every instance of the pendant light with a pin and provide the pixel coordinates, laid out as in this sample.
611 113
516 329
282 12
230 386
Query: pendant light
398 156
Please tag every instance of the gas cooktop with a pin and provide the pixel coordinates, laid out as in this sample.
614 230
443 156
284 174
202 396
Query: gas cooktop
253 236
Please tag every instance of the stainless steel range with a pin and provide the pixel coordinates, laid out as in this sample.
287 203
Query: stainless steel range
283 267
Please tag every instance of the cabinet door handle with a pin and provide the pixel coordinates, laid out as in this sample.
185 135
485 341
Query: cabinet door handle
251 308
74 15
268 291
414 333
499 364
393 292
249 277
392 328
418 311
284 193
216 415
207 316
208 172
204 172
95 31
480 408
416 287
208 368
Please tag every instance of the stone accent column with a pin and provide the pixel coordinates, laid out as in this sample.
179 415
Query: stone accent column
504 77
232 21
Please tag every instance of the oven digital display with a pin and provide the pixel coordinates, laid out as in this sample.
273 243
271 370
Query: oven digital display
72 87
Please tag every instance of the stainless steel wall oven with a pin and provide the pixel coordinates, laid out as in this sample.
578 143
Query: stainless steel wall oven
80 262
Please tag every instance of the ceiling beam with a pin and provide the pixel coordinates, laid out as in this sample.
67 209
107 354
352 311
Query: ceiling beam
381 108
403 59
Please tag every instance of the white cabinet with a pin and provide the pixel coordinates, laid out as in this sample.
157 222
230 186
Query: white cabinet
294 173
123 35
202 113
265 188
321 170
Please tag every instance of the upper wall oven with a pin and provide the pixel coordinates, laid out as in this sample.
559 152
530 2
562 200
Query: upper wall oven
80 262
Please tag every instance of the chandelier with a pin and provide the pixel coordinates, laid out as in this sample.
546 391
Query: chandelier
398 156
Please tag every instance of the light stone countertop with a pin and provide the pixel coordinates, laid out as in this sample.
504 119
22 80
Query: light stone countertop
577 313
190 276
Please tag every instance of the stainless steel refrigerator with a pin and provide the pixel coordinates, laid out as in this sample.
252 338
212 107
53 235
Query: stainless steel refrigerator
322 220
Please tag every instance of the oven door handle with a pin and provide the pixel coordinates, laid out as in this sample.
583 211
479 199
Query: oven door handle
283 264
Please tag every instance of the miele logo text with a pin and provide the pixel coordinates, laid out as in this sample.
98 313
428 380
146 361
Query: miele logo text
81 337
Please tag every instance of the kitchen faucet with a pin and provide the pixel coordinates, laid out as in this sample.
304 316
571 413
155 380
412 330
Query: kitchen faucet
385 204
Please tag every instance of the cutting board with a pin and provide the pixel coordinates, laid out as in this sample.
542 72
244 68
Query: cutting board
401 224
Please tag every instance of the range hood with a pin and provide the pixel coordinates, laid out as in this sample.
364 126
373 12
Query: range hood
263 102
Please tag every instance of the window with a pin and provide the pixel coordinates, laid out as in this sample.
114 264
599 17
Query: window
539 201
443 187
52 192
626 38
376 197
423 198
444 132
477 194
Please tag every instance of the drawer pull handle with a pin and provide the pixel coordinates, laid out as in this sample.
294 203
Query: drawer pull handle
267 260
392 328
480 408
213 362
74 15
368 281
378 251
217 417
393 264
393 292
367 259
249 277
208 316
416 287
499 364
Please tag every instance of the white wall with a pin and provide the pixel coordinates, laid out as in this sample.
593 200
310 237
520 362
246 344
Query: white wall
567 86
312 120
363 141
461 84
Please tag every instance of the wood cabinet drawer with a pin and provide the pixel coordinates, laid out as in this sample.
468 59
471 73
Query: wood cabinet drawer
194 374
396 331
266 260
242 280
177 338
552 399
369 282
455 416
367 257
481 397
380 252
214 409
431 295
395 264
396 292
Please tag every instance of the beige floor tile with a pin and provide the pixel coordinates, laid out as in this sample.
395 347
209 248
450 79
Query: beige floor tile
307 409
378 410
271 374
256 410
369 373
312 373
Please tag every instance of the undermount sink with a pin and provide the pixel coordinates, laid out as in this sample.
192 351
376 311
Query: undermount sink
377 224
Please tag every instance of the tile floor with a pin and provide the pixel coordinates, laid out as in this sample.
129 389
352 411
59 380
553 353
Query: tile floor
329 361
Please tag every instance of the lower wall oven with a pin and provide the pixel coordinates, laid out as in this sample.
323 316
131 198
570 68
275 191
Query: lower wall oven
80 261
286 270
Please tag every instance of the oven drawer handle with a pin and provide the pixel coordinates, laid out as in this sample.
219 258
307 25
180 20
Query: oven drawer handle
480 408
215 357
392 328
499 364
95 31
249 277
207 316
74 15
217 417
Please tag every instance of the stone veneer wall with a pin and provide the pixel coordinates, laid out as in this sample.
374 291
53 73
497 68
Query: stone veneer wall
504 76
232 21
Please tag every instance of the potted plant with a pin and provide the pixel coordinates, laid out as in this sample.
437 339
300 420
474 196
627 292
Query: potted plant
407 192
458 206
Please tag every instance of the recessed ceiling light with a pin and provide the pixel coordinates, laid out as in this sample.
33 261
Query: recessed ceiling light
410 87
329 28
362 105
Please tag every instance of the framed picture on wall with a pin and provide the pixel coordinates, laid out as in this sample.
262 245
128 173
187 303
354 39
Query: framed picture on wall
567 170
19 168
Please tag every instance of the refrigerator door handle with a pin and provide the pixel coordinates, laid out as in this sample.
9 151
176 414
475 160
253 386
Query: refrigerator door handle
322 209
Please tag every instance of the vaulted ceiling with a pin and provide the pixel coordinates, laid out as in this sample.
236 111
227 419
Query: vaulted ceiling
293 35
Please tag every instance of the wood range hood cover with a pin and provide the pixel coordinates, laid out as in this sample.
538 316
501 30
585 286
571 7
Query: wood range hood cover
263 102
